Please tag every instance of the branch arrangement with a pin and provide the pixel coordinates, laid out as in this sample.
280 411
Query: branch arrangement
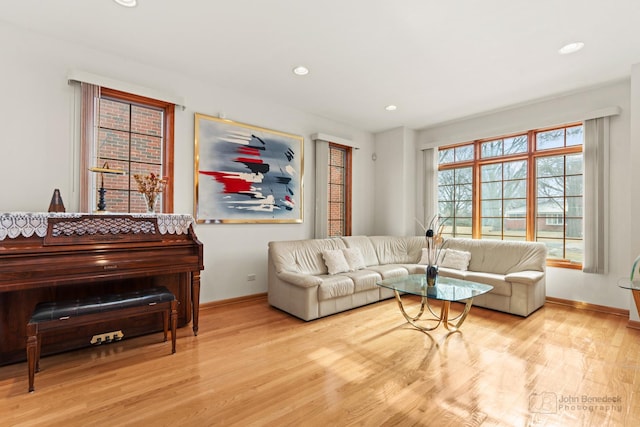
150 185
435 241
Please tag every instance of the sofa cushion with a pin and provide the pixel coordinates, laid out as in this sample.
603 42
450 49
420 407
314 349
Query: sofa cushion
366 248
335 286
364 280
397 250
414 268
501 256
390 270
302 256
335 261
452 272
354 258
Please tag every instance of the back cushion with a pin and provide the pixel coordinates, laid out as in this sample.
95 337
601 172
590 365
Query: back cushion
366 248
302 256
397 250
414 247
501 256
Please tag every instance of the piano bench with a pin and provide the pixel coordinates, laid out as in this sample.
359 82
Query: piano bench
49 316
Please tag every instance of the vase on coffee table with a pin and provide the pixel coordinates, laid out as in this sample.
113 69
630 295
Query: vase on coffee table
432 274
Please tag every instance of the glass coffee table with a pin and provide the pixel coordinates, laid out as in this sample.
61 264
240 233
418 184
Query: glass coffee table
634 287
446 289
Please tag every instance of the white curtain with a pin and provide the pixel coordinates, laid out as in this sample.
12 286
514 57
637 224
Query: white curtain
322 189
89 112
596 195
430 209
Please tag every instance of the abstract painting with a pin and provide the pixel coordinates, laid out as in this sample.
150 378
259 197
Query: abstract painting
246 174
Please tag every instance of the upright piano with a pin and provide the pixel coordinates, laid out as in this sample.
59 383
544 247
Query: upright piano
62 256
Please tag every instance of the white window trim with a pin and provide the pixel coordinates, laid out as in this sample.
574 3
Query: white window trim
102 81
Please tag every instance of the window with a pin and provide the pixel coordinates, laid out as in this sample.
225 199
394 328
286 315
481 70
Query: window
503 200
554 219
133 134
527 186
559 193
339 191
455 191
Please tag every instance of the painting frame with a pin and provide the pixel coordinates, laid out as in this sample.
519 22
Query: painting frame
246 174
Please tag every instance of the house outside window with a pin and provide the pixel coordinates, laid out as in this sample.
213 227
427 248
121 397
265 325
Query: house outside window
527 186
553 219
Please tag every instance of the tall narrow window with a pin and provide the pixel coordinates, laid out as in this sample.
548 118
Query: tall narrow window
503 200
339 212
455 189
559 195
134 134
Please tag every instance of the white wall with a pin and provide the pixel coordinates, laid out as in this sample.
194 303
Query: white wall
633 173
37 151
564 283
395 182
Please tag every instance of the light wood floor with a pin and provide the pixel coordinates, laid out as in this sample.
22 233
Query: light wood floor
252 365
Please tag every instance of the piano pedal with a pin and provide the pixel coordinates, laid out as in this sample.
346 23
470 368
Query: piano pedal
107 337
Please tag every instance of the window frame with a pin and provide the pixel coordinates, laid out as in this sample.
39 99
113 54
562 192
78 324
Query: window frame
168 109
530 156
347 188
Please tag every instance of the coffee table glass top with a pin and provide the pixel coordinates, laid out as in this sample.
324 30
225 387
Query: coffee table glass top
445 289
628 284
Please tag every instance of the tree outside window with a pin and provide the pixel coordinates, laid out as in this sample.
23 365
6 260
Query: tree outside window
527 186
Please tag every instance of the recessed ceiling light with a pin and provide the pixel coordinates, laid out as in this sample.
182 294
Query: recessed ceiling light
570 48
391 107
127 3
300 70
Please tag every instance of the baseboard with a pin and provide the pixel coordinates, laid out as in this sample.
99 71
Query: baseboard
633 324
587 306
220 303
552 300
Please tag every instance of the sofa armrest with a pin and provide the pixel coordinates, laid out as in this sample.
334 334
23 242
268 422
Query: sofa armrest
527 277
302 280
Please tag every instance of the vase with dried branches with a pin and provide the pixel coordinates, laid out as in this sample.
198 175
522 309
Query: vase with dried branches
150 186
435 243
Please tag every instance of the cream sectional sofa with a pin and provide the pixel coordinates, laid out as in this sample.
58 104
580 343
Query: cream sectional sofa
300 283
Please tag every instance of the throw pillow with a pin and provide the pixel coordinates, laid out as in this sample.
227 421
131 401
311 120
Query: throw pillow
335 261
456 259
424 259
354 259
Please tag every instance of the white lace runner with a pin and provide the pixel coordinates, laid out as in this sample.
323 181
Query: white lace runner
26 224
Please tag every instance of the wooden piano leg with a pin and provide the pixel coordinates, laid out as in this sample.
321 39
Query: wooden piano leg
195 299
165 322
32 352
174 324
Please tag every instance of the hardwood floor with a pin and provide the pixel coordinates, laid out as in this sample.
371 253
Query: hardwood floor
254 365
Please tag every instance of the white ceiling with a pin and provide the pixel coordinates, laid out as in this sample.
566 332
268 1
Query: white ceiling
437 60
